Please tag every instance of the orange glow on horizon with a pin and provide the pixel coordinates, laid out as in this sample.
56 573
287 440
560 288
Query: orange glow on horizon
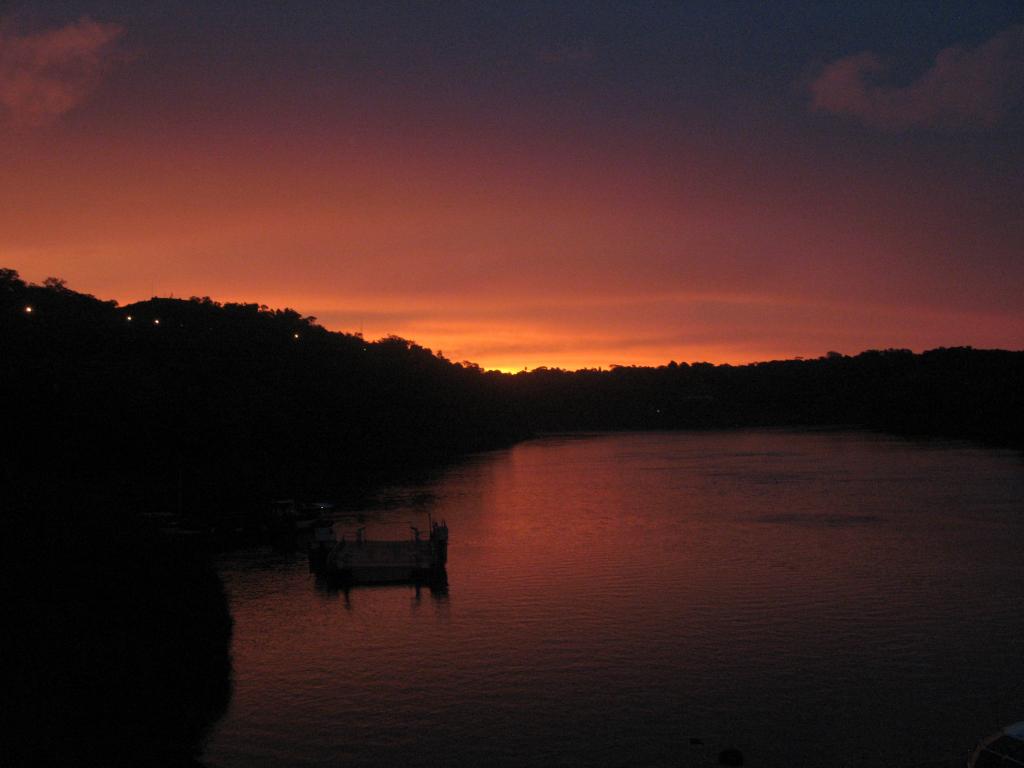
515 251
512 334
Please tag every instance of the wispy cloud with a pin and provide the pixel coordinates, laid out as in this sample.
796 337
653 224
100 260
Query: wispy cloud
964 88
46 74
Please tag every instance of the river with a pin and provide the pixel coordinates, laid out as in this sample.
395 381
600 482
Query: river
811 598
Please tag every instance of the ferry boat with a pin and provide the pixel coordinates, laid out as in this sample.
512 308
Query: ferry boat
416 560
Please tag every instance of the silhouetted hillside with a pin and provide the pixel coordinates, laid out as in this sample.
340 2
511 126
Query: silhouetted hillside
957 392
220 404
191 404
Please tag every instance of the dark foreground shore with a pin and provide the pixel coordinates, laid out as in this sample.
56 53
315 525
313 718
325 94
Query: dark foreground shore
118 643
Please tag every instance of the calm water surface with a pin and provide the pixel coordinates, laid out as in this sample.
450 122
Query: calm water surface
814 599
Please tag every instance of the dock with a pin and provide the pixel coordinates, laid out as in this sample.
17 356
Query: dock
416 560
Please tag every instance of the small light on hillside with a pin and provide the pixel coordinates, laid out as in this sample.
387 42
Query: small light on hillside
29 310
295 335
129 318
157 321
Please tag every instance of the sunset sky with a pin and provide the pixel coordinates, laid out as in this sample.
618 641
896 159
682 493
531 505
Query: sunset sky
572 184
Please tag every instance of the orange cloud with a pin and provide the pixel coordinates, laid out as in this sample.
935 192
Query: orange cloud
964 88
47 74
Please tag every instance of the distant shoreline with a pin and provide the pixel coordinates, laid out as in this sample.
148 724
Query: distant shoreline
200 408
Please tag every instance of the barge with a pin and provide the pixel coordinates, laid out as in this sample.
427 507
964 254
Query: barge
416 560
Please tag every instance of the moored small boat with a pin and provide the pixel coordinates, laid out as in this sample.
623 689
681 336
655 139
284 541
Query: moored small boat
1004 749
288 516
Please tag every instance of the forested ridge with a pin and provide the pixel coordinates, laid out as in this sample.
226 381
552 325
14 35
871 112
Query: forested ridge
195 405
956 392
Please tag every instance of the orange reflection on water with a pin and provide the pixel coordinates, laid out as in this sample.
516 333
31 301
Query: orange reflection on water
612 596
